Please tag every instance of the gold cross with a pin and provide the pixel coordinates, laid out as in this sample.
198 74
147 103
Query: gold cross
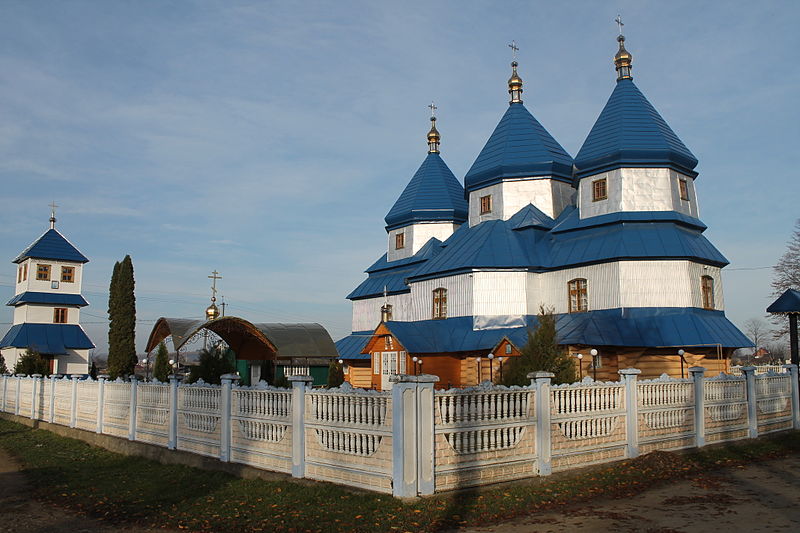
214 277
433 109
53 208
514 49
618 20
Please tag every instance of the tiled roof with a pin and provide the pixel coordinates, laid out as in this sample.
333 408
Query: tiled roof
630 133
433 195
519 147
52 245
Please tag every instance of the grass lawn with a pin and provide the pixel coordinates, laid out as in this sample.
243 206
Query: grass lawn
119 488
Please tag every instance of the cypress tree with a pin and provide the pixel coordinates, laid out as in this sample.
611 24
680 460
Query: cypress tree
122 317
161 369
541 353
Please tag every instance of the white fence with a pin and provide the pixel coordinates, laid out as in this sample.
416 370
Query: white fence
415 440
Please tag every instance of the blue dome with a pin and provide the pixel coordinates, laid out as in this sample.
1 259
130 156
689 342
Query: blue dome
630 133
433 195
519 147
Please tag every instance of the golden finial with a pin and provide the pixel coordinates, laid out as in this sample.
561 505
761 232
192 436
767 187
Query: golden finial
433 135
623 60
514 82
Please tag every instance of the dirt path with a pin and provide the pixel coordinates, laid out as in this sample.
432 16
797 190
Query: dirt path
758 497
22 514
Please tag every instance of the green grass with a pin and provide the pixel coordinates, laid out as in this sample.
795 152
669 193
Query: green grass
119 488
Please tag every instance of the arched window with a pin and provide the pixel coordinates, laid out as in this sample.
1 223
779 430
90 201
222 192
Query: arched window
707 290
578 299
439 303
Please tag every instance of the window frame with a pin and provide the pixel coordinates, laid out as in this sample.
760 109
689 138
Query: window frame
60 315
581 293
400 240
707 292
683 189
64 271
486 204
439 301
596 184
43 269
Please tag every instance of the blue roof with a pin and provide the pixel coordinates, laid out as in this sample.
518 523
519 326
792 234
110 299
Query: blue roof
350 347
433 195
634 327
30 297
788 302
531 217
52 245
519 147
630 133
51 339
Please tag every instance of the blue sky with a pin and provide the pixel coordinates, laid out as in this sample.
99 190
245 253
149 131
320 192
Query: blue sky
268 140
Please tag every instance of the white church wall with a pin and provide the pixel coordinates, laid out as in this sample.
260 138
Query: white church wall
367 312
416 236
43 314
667 284
638 189
74 362
508 197
602 288
499 293
459 296
32 284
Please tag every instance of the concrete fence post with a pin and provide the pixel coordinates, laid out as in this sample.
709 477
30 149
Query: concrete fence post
101 400
16 397
698 376
752 407
37 378
792 371
630 378
299 386
134 406
225 416
172 442
412 435
541 383
51 416
73 411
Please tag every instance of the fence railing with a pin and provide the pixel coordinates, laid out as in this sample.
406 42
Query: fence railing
414 440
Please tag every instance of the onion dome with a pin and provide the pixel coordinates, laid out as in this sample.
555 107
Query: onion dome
515 85
623 60
212 312
433 138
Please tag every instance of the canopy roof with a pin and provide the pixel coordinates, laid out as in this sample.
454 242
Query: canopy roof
787 303
250 341
49 339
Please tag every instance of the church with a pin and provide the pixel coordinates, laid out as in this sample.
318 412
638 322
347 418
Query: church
47 303
610 240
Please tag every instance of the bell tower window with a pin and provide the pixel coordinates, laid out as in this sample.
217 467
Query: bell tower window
43 272
439 303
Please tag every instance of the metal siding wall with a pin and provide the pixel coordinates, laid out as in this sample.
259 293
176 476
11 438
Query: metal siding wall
602 288
658 284
367 312
459 296
499 293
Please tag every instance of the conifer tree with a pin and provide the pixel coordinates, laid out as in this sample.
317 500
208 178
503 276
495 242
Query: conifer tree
541 353
214 362
161 369
3 367
335 374
32 362
122 320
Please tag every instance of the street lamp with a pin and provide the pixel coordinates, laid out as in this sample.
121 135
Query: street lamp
146 363
500 360
594 362
580 366
680 354
420 365
478 360
491 367
415 360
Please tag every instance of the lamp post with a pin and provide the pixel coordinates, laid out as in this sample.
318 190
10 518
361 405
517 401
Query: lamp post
680 354
420 365
146 363
491 367
500 360
594 362
478 360
172 363
415 360
580 366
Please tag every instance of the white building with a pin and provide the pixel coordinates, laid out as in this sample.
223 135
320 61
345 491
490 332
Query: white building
47 303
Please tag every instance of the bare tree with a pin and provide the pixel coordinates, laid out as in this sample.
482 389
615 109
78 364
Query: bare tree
757 330
786 275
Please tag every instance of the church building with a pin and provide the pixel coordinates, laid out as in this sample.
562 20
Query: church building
47 304
610 240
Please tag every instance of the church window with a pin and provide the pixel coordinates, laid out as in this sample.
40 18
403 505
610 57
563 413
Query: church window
578 298
43 272
59 315
486 204
399 240
25 272
707 289
599 190
67 274
684 189
439 303
19 274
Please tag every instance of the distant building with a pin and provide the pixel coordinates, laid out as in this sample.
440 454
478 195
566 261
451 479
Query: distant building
47 303
611 240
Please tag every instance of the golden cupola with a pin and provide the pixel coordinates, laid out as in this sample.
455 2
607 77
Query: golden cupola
623 60
212 312
515 85
433 138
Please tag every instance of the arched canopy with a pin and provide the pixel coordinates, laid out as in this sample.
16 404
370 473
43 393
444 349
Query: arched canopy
250 341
